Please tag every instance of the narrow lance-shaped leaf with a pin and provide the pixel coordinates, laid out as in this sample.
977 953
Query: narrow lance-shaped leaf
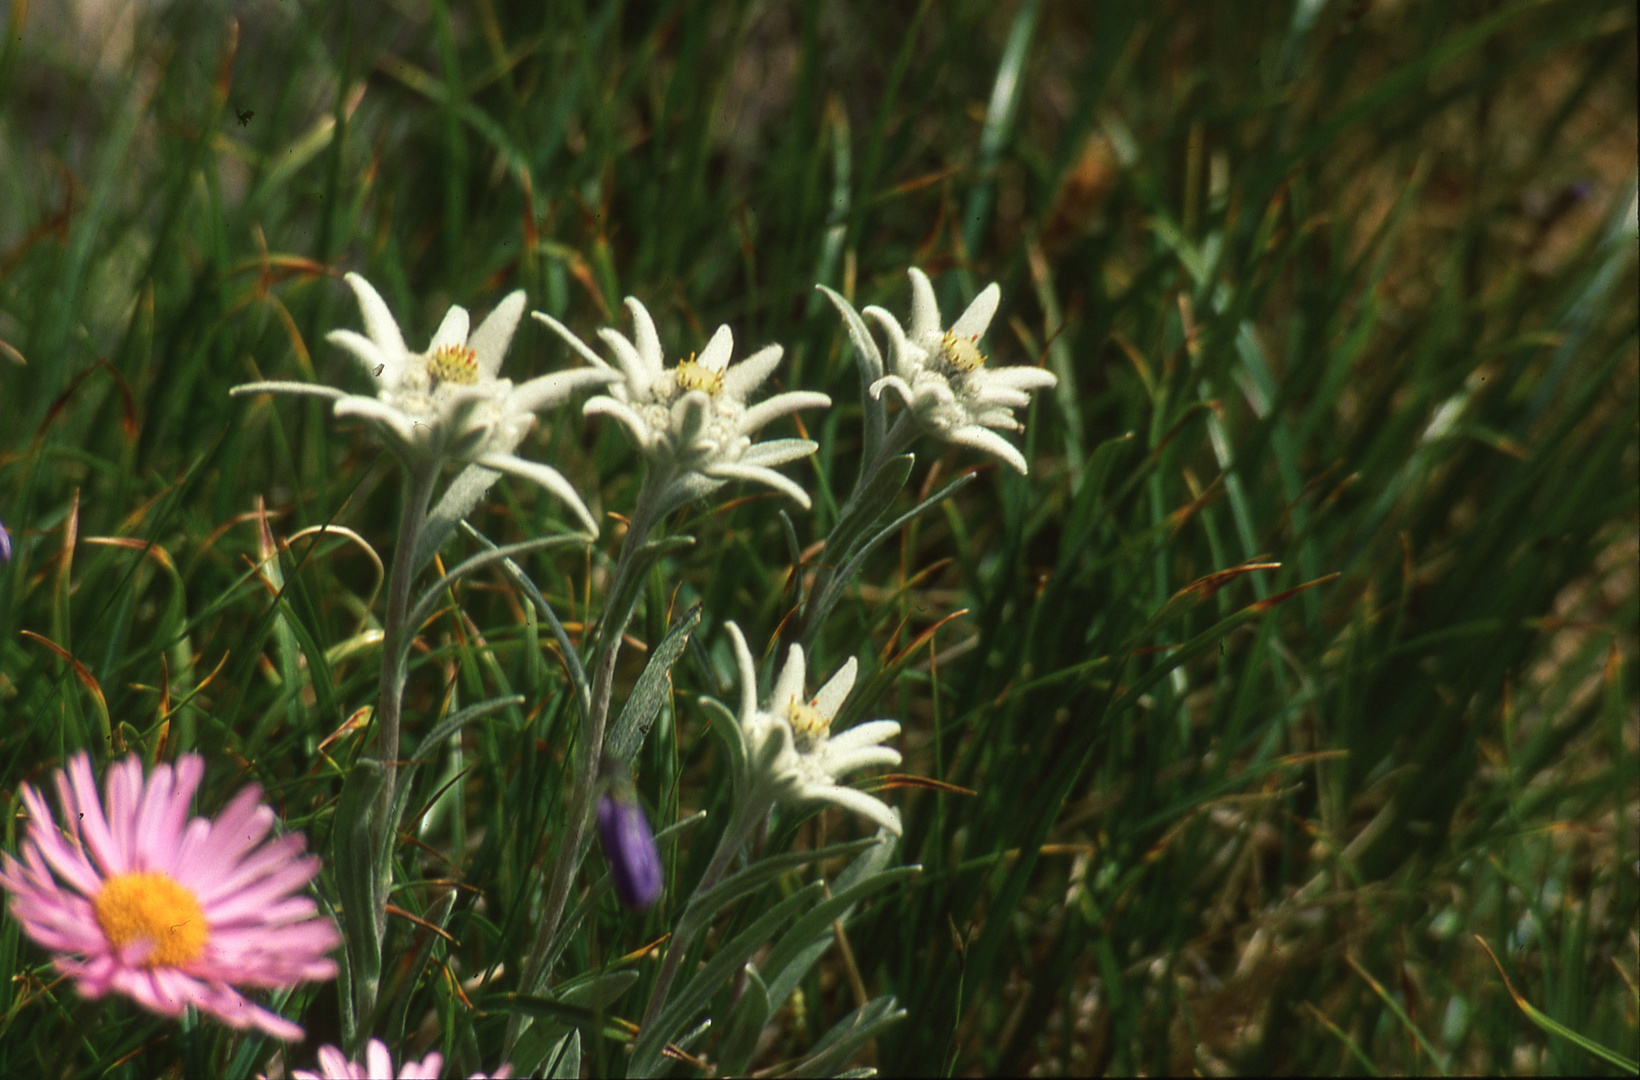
630 729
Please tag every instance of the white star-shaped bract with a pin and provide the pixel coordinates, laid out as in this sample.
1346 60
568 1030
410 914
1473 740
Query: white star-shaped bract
940 374
448 404
790 745
693 418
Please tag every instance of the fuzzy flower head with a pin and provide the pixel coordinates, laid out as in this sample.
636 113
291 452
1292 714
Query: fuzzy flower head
134 896
693 417
941 374
378 1065
790 744
448 404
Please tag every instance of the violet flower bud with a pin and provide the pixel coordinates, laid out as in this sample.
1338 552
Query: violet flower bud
629 847
5 543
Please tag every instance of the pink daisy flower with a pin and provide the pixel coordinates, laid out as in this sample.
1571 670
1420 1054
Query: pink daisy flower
378 1065
134 896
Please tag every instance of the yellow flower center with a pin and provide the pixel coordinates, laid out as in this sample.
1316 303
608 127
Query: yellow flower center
454 364
156 908
809 726
962 353
692 376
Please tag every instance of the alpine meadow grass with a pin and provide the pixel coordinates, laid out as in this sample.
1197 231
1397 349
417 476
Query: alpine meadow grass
1042 537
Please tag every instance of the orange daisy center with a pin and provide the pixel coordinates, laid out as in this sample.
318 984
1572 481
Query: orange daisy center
157 909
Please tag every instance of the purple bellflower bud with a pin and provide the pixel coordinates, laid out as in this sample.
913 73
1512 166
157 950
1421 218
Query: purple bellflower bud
629 847
5 543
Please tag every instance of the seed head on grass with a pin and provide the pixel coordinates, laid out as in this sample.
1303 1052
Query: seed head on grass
134 896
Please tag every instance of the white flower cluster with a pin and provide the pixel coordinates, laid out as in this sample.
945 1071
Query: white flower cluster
692 419
789 742
941 377
448 404
696 426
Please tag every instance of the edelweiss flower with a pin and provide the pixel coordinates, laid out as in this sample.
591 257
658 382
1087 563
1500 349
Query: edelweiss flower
169 911
789 744
942 378
378 1065
694 417
447 404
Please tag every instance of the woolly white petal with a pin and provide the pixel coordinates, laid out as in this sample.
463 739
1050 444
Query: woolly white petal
367 352
1019 377
750 373
581 348
925 310
779 405
545 391
378 320
869 733
997 416
734 470
778 451
626 355
989 441
452 331
896 384
689 416
547 477
866 805
999 396
905 356
489 342
715 357
839 762
748 670
648 342
790 683
368 408
608 406
864 346
973 322
281 387
830 696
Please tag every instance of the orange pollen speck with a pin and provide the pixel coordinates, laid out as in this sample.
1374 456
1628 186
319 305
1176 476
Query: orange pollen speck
962 353
809 726
453 364
156 908
692 376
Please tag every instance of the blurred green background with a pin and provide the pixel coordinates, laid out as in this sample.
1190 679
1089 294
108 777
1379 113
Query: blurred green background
1348 287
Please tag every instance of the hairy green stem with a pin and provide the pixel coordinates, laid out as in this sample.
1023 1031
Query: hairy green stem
396 638
901 435
572 847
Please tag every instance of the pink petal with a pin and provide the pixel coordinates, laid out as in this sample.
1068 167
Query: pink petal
122 793
78 790
377 1060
